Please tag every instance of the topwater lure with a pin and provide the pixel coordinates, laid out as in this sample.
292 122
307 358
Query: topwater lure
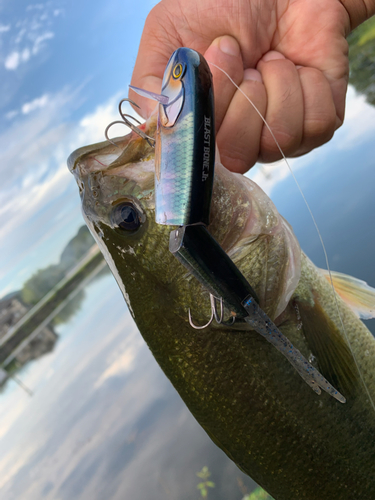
184 171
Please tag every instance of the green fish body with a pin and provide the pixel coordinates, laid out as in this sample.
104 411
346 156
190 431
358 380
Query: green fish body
241 390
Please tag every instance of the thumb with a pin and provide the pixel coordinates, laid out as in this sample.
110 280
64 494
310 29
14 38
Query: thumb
156 46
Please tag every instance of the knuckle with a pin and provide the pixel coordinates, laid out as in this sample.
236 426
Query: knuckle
313 75
320 120
237 160
287 141
321 128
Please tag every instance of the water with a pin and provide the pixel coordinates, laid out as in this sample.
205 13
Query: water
102 421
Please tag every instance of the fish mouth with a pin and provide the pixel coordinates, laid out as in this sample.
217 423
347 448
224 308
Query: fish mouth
80 152
96 157
112 155
111 170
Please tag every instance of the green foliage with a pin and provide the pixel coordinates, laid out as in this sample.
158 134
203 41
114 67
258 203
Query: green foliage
41 283
45 279
76 248
362 59
362 34
258 494
205 484
368 35
69 310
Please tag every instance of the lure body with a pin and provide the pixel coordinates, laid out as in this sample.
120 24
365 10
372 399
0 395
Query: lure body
202 255
185 142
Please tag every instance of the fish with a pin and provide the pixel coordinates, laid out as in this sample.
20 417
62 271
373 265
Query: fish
242 391
246 396
184 167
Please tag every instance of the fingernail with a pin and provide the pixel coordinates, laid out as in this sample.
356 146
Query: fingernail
229 46
299 66
252 74
272 55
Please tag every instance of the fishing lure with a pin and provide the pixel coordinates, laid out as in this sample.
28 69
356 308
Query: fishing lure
184 172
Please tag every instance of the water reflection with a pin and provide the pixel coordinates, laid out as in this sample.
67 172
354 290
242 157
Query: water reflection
103 420
28 316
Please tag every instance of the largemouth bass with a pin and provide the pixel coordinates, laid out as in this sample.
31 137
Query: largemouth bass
242 391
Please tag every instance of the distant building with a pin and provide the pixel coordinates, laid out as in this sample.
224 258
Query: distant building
3 376
42 344
11 311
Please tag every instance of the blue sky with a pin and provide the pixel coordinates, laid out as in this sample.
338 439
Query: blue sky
63 67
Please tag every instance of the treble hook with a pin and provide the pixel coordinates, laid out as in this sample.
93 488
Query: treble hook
218 319
203 326
126 122
214 315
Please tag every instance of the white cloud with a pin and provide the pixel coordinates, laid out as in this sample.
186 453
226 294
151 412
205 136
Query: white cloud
36 6
359 121
122 360
4 28
91 127
37 103
16 58
25 55
11 114
22 32
31 34
269 175
14 461
12 61
39 41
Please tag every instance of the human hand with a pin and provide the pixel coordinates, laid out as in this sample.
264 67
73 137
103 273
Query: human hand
289 57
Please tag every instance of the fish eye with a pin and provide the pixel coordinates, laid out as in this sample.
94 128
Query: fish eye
126 216
177 71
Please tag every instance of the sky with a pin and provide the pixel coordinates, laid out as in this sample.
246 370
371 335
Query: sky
55 97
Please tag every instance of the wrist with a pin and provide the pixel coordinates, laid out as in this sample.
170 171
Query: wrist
358 11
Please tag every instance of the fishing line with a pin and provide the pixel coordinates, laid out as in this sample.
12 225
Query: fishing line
315 224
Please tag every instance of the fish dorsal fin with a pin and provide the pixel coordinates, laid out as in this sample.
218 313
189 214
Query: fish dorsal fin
356 294
328 346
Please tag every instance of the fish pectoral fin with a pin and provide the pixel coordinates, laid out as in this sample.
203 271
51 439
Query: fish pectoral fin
357 294
329 347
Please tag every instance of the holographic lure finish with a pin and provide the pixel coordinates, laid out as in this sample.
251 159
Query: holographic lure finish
185 142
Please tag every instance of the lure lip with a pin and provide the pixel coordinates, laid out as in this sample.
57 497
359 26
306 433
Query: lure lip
163 99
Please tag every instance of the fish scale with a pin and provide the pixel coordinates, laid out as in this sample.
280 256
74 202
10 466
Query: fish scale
173 190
